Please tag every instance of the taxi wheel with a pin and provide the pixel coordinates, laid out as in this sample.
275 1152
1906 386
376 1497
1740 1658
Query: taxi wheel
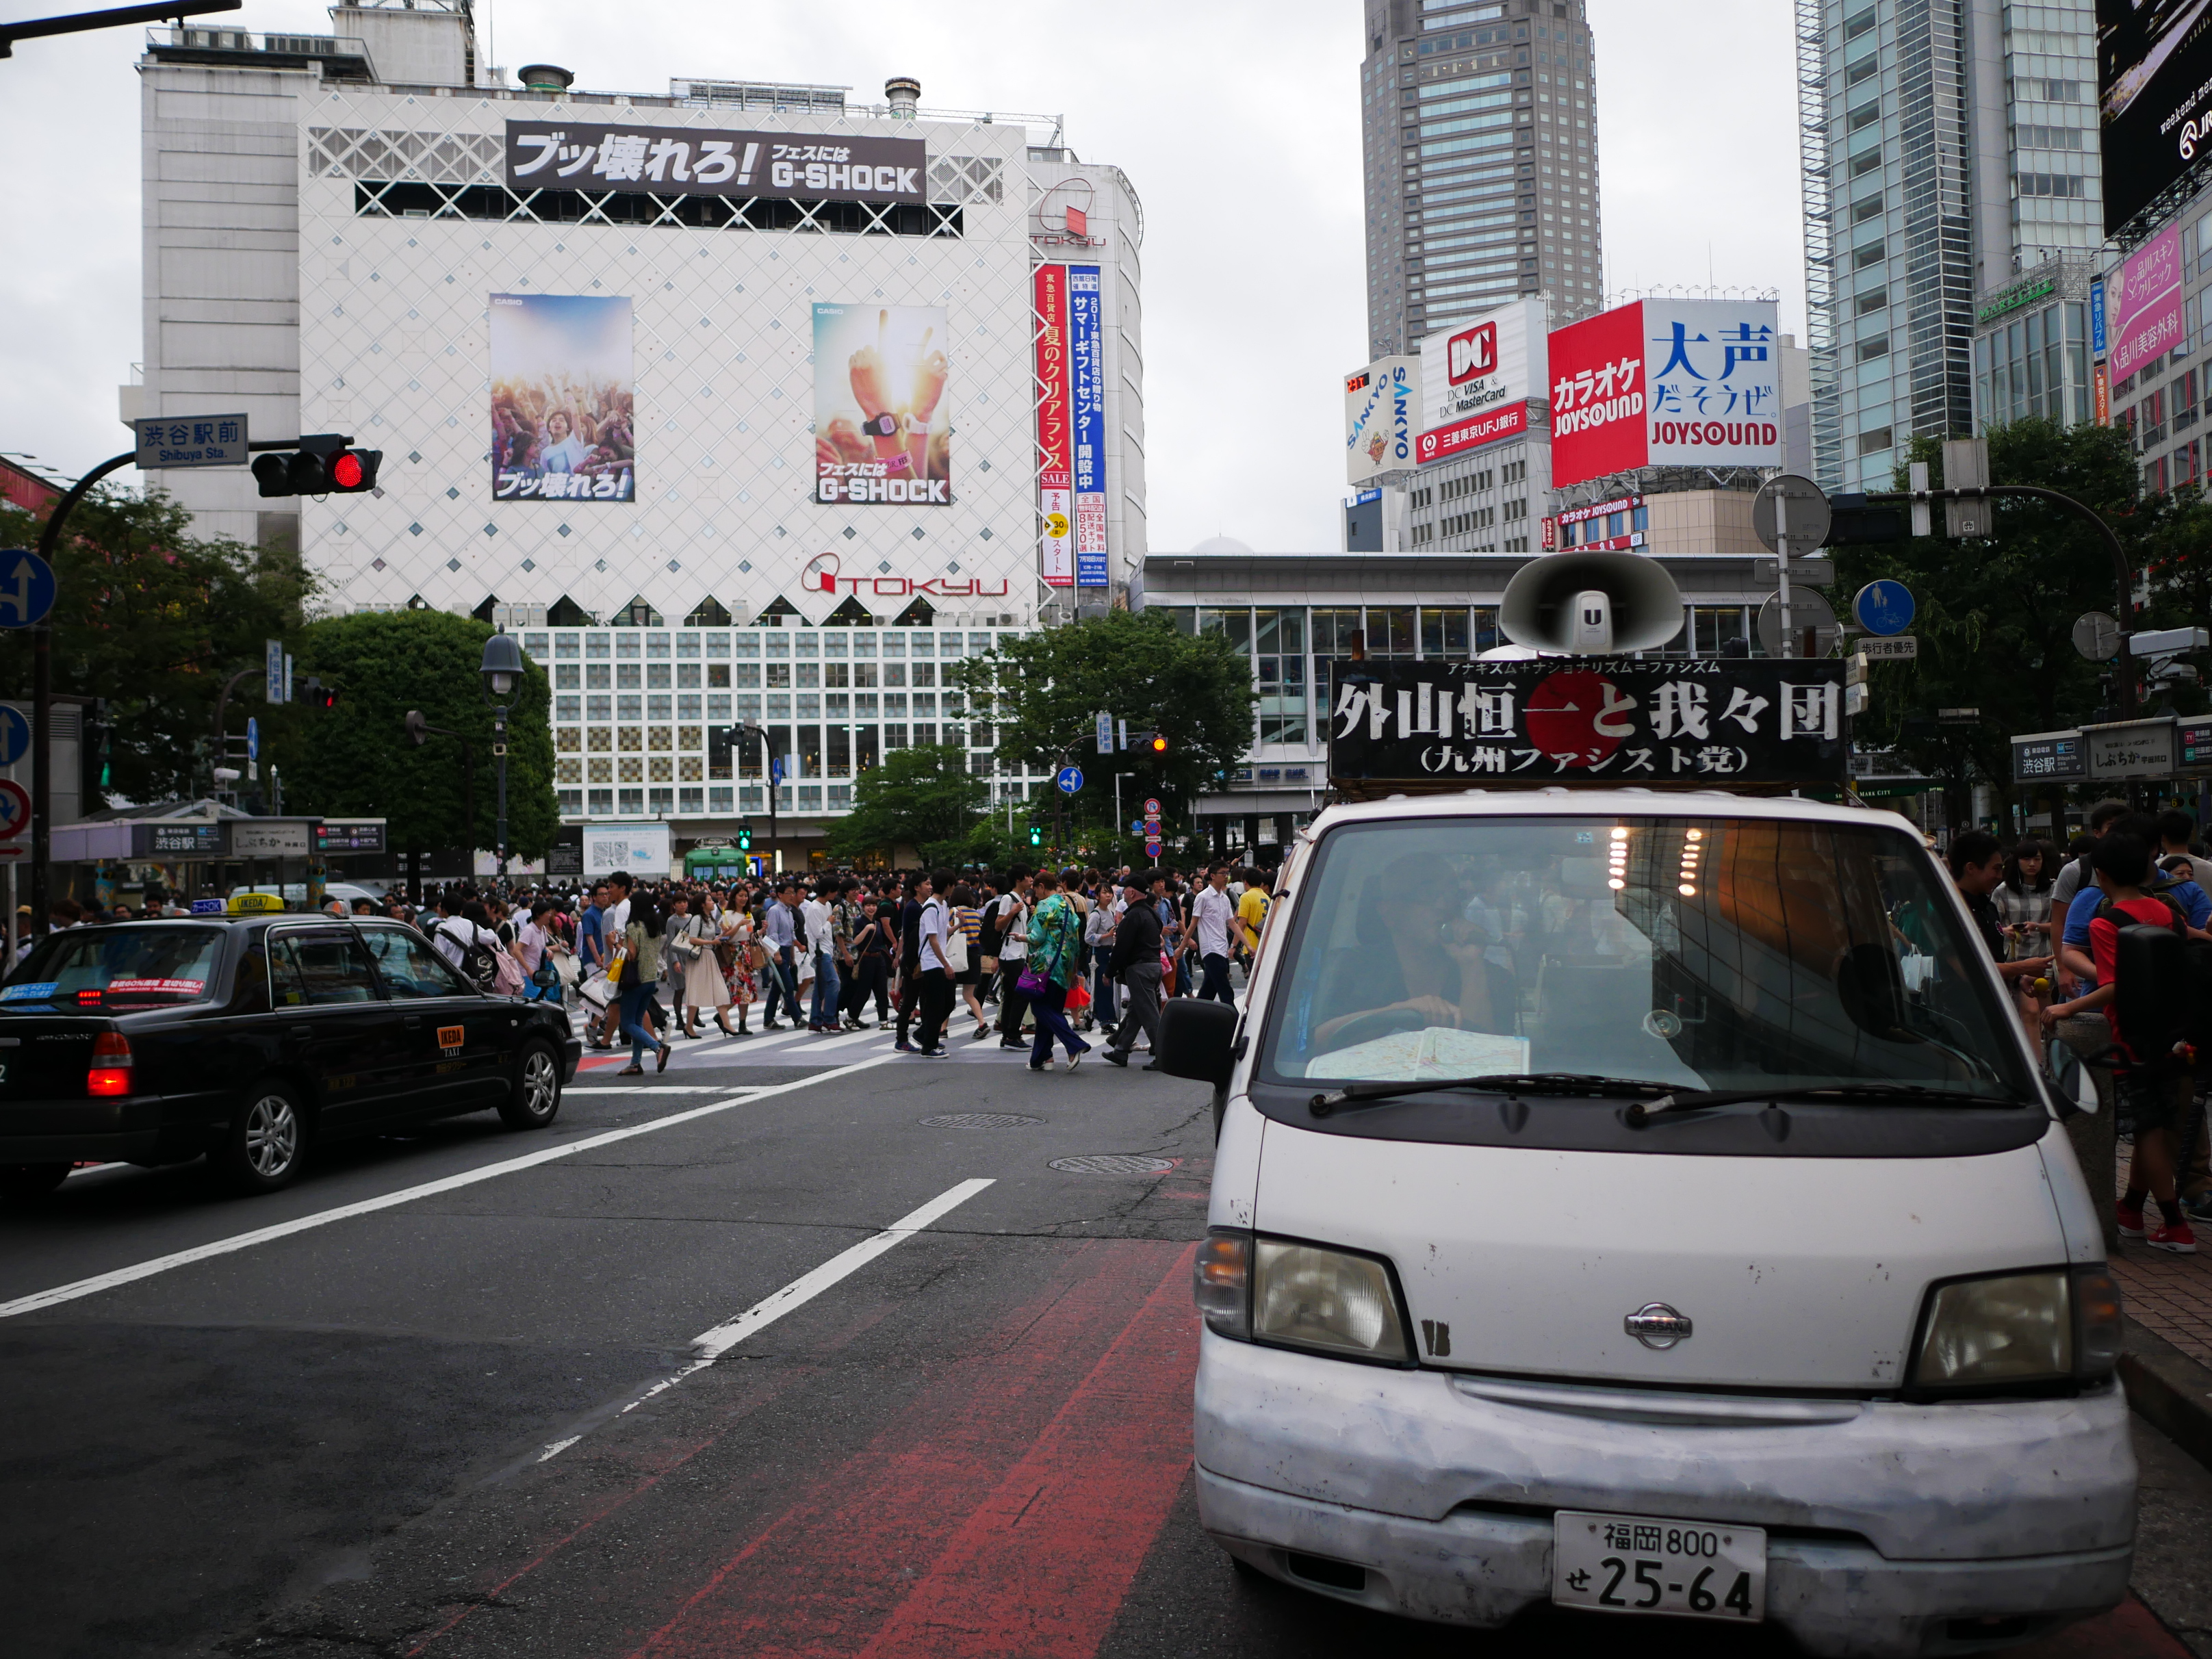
267 1143
534 1096
30 1180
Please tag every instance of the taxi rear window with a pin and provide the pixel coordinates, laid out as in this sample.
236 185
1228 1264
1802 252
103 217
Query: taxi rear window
116 967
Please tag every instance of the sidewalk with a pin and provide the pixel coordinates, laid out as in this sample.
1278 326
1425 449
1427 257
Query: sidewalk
2168 1294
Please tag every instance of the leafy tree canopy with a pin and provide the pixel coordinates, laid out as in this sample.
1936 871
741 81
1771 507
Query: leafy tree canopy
1044 691
155 620
921 798
358 761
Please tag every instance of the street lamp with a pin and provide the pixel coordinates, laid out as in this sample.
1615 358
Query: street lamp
502 671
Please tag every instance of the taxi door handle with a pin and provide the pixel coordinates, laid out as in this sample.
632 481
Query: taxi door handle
413 1021
303 1030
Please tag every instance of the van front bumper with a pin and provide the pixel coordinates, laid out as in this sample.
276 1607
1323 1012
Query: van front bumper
1893 1528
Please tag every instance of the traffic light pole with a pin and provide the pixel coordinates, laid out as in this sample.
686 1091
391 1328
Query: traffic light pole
42 694
2123 573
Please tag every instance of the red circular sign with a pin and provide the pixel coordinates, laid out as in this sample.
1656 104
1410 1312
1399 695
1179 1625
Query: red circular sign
1576 712
14 811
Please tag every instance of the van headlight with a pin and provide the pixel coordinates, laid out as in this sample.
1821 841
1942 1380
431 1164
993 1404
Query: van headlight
2013 1330
1300 1296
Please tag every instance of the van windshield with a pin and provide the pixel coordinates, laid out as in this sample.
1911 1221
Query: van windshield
1698 952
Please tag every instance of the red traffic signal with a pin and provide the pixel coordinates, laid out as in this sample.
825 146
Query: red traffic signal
323 466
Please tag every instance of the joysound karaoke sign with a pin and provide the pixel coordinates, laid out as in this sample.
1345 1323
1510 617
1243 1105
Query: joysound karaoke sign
1590 719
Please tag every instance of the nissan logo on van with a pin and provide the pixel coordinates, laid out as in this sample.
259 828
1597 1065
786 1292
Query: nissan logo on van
1656 1325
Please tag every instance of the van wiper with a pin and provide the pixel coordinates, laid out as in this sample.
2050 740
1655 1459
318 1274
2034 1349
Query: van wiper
1356 1095
1638 1112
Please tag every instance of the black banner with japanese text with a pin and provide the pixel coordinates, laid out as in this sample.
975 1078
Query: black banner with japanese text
1600 720
706 161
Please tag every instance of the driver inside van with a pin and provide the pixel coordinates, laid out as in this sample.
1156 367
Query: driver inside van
1421 961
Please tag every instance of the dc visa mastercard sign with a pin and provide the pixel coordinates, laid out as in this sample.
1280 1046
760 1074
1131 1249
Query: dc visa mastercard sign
1666 383
1600 720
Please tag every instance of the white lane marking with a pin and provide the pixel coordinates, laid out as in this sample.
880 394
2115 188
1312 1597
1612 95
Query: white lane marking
656 1089
851 1039
713 1345
161 1264
558 1447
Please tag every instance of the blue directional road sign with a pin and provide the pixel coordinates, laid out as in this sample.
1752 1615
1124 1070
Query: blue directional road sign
26 587
14 735
1883 607
1069 780
252 739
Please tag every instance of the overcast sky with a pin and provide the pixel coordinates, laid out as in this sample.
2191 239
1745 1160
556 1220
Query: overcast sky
1238 123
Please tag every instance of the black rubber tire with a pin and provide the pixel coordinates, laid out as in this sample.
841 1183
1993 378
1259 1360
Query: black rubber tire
25 1182
533 1096
268 1140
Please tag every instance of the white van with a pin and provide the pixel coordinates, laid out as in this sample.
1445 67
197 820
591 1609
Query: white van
1650 1203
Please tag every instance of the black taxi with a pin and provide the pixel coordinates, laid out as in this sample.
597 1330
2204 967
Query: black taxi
251 1039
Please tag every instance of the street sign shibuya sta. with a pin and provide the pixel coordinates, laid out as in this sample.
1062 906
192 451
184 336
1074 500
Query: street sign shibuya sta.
190 440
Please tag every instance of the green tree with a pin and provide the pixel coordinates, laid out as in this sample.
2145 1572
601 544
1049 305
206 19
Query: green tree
923 798
358 761
155 620
1043 691
1995 616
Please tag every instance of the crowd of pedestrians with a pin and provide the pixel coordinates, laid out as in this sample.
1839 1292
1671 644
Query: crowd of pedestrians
2053 922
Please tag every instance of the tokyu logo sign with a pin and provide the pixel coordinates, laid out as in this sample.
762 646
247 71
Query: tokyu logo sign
1472 352
824 574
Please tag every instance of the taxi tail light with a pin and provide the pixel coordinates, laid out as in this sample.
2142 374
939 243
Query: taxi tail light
111 1065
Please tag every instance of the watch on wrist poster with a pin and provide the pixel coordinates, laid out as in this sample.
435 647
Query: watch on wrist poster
561 379
882 425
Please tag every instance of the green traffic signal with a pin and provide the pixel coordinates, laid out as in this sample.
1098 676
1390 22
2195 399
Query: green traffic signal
746 839
1036 834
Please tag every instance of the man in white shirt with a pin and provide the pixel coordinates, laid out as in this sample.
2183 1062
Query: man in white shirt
1211 912
933 934
1013 918
814 913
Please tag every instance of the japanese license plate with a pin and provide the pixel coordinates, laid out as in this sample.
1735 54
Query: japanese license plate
1645 1563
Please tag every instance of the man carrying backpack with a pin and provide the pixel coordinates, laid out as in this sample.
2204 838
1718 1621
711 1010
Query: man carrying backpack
2146 1087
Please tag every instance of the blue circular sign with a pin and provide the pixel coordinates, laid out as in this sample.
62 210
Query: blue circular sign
1069 780
14 735
26 587
253 739
1883 607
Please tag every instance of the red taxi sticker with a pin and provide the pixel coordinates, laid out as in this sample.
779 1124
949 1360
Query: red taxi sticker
177 987
449 1037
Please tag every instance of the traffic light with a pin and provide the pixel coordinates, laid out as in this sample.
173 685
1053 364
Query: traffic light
1853 523
744 838
325 464
315 694
1154 743
1036 834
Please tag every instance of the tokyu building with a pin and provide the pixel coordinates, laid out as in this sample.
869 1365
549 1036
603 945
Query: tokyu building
744 402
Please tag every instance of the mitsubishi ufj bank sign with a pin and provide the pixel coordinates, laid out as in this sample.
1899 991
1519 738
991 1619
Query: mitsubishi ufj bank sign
1666 383
1475 381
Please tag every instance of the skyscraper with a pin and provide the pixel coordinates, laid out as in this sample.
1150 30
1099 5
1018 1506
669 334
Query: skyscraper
1948 146
1481 164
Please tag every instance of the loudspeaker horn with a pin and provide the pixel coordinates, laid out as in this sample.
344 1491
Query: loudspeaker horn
1591 605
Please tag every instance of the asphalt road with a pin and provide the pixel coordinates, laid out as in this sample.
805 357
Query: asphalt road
471 1420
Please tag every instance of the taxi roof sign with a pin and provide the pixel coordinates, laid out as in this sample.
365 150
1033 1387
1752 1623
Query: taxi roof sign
249 903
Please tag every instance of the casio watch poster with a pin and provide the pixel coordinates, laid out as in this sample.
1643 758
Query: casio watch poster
881 421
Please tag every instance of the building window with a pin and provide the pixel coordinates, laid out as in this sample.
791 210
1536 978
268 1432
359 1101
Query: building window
631 802
1872 254
1874 442
1878 346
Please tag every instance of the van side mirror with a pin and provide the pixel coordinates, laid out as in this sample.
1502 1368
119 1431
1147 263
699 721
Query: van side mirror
2069 1081
1195 1040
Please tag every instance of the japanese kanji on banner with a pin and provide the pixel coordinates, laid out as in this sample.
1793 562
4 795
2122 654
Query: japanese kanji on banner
562 425
710 162
1666 383
1597 721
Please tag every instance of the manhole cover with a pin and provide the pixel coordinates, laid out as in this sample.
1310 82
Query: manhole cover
1113 1164
979 1120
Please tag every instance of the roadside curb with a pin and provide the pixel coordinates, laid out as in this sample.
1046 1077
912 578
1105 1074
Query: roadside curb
2167 1388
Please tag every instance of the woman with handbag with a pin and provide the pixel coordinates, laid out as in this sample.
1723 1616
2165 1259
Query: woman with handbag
1051 965
693 940
734 954
967 929
636 970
